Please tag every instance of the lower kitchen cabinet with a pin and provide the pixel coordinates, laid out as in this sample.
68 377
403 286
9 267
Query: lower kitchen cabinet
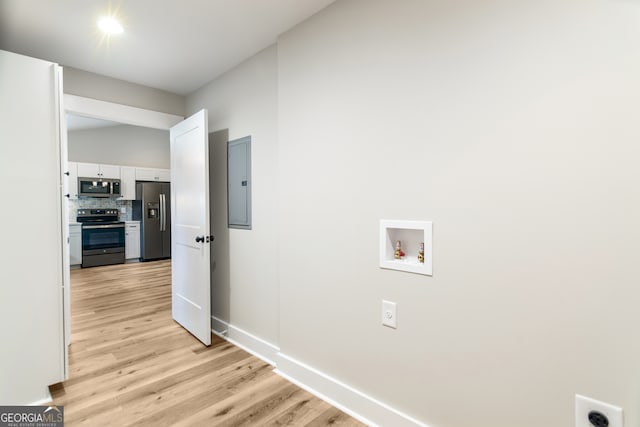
75 244
132 240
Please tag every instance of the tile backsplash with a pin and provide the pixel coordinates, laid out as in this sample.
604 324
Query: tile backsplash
100 203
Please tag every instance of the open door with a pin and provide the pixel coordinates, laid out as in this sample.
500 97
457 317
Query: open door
64 182
190 232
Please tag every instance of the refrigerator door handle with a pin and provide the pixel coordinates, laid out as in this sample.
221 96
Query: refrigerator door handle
160 212
163 213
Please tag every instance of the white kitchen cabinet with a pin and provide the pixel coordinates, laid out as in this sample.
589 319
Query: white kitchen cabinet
145 174
128 182
75 244
95 170
164 175
72 180
151 174
132 240
110 171
88 170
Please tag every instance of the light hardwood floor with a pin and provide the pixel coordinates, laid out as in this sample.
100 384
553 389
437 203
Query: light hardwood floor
132 365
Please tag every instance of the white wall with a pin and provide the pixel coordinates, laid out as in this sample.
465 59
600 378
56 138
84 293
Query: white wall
31 330
120 145
513 127
244 276
91 85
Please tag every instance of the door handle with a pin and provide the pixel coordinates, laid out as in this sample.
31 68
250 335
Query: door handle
200 239
160 212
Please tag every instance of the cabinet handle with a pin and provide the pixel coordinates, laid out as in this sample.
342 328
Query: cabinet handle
67 195
66 173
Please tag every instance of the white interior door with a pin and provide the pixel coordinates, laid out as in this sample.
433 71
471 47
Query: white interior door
190 233
64 169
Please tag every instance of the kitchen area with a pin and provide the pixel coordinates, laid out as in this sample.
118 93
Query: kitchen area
117 213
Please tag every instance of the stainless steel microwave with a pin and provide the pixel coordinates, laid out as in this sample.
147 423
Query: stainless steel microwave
98 187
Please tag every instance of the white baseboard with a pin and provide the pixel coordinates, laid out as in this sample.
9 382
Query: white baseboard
46 399
353 402
257 346
219 327
349 400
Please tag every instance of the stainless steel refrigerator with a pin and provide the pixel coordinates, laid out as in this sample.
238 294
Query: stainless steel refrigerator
152 208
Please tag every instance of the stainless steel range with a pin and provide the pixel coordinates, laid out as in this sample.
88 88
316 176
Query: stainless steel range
102 237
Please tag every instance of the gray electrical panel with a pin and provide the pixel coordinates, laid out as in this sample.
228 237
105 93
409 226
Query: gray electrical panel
239 183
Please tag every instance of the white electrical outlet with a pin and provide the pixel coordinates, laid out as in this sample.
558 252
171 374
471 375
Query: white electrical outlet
389 314
593 413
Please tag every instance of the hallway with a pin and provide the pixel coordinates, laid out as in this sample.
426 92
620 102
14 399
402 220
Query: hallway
131 364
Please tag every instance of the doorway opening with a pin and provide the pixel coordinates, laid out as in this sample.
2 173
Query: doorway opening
103 133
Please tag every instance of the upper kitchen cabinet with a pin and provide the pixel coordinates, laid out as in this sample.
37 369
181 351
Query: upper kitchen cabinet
150 174
72 180
94 170
164 175
109 171
128 182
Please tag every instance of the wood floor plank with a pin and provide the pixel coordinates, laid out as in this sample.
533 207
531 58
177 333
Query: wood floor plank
171 400
333 417
299 410
132 365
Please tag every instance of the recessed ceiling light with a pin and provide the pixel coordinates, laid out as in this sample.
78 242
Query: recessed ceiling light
110 26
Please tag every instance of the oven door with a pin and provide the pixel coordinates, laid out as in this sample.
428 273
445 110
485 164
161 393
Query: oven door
102 238
102 244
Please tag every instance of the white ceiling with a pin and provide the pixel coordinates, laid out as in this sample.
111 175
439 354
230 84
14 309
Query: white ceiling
173 45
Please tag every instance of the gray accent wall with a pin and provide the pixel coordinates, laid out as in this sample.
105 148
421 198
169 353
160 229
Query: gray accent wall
122 145
96 86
